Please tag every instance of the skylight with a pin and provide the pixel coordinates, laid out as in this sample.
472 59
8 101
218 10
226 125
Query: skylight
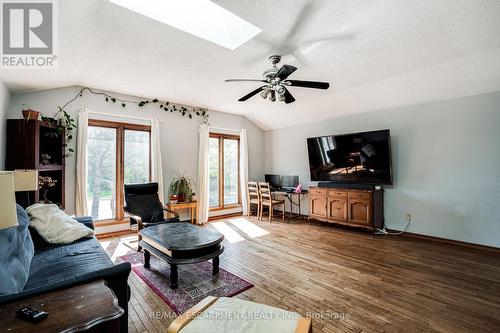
201 18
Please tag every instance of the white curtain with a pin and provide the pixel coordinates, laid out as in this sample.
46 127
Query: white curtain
244 169
203 184
81 163
156 166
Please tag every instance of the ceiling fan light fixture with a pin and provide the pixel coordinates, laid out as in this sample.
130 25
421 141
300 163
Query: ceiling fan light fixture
280 89
272 96
265 93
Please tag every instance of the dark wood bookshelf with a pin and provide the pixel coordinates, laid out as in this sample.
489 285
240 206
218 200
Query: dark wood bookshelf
27 140
51 167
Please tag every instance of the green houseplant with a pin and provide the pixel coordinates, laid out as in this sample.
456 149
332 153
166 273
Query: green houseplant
182 186
63 122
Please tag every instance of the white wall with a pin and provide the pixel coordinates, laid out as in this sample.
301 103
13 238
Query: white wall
179 135
4 107
446 162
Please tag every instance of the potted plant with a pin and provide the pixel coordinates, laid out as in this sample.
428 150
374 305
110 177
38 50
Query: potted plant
181 186
29 113
173 198
63 122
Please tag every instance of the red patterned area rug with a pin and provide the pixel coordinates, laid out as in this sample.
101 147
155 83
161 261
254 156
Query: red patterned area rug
195 282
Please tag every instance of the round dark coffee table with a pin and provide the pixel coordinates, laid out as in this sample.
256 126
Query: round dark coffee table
181 243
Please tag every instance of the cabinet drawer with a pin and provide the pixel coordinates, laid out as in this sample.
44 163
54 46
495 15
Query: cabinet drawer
316 190
336 193
360 195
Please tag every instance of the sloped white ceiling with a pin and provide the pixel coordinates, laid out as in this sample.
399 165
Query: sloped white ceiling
401 53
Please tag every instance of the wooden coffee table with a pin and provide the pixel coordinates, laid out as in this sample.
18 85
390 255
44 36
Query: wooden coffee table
181 243
92 306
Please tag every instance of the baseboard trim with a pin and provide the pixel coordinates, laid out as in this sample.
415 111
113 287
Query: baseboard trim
225 216
107 223
115 233
479 247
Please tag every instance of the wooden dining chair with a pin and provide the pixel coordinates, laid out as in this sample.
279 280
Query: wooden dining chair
253 197
266 199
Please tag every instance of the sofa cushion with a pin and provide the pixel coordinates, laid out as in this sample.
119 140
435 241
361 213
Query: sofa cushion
58 262
16 253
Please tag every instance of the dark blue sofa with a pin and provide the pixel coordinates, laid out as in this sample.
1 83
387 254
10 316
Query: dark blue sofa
58 266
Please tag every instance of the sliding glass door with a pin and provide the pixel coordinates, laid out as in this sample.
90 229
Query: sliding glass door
101 174
117 154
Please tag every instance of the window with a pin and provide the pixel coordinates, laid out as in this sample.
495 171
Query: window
101 172
136 157
117 154
224 175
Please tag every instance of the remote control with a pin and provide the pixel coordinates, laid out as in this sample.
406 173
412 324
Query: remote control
31 315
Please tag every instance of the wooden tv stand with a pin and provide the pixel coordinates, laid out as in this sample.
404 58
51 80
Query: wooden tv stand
353 207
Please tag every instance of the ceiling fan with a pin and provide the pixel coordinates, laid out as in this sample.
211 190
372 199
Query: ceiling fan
296 42
276 81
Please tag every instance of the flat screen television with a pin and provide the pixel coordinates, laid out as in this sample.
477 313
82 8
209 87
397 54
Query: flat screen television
358 157
274 181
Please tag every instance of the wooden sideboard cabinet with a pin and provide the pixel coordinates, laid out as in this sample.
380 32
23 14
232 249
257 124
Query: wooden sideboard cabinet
317 203
353 207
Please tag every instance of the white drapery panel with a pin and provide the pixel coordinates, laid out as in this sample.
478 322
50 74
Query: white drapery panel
81 163
244 170
156 166
203 182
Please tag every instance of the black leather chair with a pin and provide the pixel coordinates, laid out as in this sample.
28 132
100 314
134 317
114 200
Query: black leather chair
143 207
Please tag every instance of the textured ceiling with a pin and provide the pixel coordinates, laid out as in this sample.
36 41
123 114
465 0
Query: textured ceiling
396 53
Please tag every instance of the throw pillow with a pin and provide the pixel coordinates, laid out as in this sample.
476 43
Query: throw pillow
55 226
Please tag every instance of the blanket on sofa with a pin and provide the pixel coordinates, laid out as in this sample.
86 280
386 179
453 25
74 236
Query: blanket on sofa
55 226
16 253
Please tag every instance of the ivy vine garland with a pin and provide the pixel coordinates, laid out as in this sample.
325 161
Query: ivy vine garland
62 120
164 105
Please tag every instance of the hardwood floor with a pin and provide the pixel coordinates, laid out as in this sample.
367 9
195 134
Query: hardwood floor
347 280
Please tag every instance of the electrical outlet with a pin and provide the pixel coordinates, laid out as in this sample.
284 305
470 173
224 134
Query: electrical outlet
408 217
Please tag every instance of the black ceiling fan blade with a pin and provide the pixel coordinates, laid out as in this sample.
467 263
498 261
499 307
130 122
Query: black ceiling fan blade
244 80
308 84
285 71
288 97
251 94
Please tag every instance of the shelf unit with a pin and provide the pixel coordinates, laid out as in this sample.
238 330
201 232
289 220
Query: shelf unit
27 140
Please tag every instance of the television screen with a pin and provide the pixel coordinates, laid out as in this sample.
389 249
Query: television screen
274 181
359 157
288 182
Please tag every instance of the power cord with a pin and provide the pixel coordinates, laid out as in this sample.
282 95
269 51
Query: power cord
383 231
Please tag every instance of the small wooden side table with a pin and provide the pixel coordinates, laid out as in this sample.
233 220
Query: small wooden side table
192 206
92 306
